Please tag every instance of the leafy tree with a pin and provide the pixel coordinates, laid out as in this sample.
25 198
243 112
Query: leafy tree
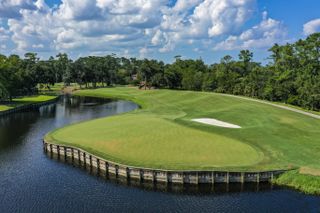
292 76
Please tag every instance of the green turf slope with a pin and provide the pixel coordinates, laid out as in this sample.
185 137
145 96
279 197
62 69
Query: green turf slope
162 135
16 102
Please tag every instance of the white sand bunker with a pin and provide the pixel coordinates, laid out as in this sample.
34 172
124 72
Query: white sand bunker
216 122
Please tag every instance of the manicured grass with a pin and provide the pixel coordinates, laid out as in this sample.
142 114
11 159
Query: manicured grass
26 100
145 140
5 107
33 99
162 135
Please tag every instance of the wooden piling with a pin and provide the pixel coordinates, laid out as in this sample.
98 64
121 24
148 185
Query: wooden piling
107 168
227 177
58 151
98 165
197 177
128 172
84 159
116 170
72 154
65 153
212 180
141 174
90 161
242 177
194 177
45 148
154 177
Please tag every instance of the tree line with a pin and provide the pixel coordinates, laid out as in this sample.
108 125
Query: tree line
292 76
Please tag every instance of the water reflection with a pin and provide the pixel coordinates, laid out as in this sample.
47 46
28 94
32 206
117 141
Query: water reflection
14 127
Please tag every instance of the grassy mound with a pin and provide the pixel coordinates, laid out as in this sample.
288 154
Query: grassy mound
162 135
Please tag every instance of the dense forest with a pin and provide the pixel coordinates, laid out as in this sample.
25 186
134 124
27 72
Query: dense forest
292 76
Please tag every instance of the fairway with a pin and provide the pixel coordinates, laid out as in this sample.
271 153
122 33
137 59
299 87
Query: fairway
162 134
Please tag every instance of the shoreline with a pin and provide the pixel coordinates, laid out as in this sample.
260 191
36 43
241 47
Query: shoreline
289 178
159 175
297 181
28 106
298 185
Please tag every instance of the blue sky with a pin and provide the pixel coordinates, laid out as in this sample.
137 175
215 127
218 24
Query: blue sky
160 29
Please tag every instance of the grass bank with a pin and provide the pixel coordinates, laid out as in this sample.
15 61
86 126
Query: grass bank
17 102
303 182
162 135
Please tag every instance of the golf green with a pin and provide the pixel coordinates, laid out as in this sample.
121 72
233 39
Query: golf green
162 134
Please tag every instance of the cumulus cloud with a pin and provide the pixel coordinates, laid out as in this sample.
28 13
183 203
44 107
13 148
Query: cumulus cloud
33 28
11 8
4 34
216 17
84 24
206 19
143 26
268 32
183 6
311 27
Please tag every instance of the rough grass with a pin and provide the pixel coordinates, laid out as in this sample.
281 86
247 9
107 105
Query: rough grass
306 183
26 100
162 135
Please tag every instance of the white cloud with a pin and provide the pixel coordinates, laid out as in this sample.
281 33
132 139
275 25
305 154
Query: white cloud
143 52
33 28
311 27
183 5
84 24
11 8
263 35
217 17
5 40
38 46
158 38
208 19
142 26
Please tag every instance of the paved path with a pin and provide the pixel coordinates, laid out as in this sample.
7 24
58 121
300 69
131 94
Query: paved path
277 105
